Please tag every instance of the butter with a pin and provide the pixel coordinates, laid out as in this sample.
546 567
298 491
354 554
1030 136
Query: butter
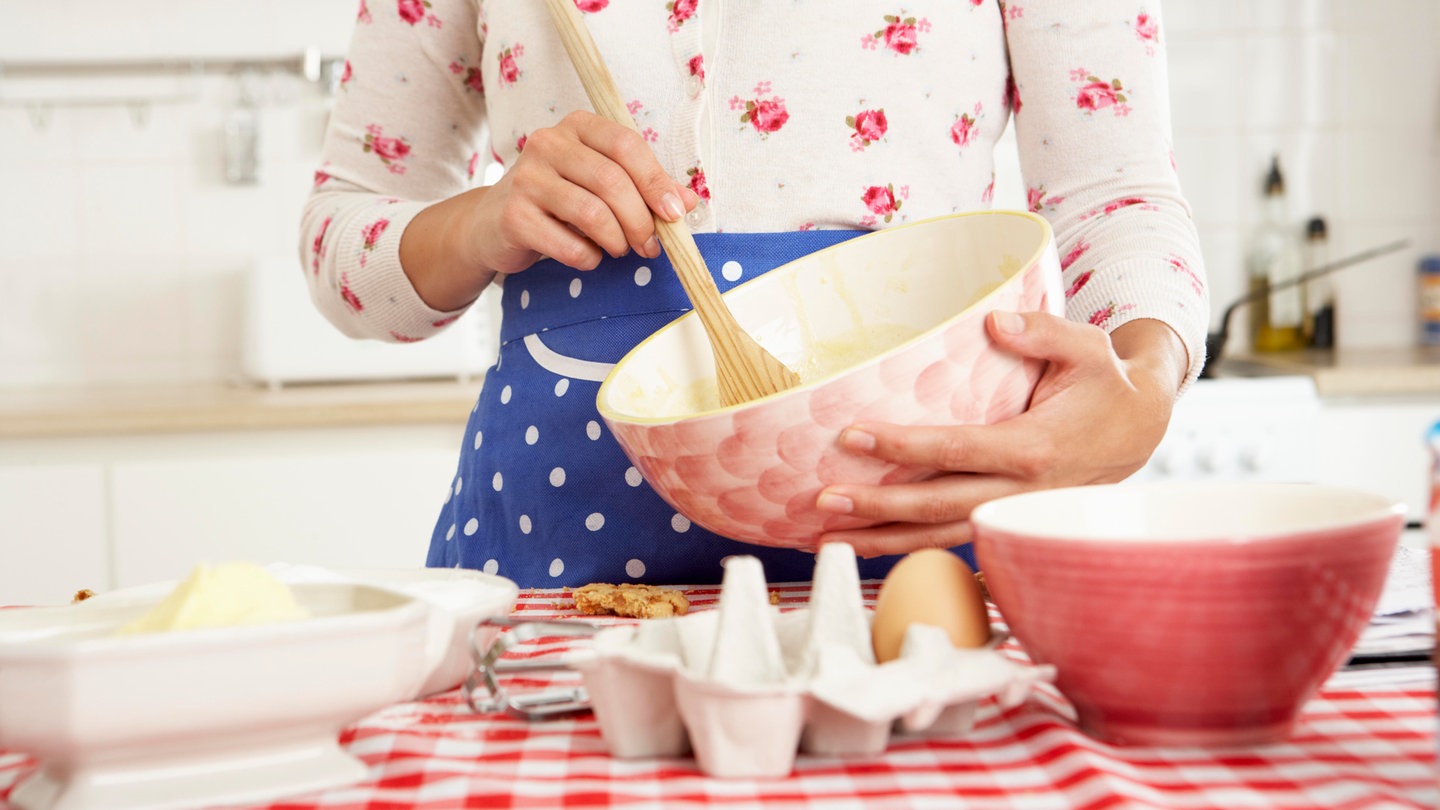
223 595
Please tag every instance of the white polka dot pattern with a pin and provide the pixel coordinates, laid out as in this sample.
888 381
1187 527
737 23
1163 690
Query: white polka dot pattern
575 288
557 477
526 526
557 567
595 521
731 271
471 526
592 430
642 276
491 566
532 434
633 477
635 568
561 387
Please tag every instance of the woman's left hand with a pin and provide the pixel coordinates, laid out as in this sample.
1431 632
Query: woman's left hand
1100 408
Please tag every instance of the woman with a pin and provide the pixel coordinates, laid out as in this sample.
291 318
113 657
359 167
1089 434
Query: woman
774 129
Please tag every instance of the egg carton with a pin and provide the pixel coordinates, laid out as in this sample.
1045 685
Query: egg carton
747 687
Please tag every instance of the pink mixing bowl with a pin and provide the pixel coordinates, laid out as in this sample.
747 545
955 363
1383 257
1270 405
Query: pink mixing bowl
888 327
1188 613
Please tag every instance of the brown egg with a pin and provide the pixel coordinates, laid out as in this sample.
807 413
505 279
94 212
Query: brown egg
930 586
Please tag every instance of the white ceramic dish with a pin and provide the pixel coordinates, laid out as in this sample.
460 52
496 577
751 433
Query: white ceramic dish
458 599
200 717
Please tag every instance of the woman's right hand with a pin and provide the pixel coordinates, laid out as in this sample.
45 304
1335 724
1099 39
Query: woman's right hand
582 187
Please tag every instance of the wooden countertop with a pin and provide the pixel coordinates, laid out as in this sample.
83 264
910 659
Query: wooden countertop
85 411
1349 372
82 411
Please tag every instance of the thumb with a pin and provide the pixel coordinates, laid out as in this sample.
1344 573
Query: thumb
1047 337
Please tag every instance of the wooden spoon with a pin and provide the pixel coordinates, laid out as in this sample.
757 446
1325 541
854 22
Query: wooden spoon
743 369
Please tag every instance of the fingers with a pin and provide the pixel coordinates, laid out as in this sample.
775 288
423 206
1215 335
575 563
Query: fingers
902 538
599 178
1010 448
644 174
1048 337
946 499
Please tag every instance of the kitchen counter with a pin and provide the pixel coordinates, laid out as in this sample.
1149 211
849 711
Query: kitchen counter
82 411
1348 372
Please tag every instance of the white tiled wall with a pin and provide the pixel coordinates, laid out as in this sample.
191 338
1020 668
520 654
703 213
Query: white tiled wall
1348 94
123 249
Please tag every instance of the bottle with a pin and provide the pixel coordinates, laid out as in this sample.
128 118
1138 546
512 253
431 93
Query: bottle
1276 320
1430 300
1319 292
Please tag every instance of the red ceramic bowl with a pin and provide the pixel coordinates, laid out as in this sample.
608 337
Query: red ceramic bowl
1185 613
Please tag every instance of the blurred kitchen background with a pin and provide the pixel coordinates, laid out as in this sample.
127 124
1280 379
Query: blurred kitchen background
154 157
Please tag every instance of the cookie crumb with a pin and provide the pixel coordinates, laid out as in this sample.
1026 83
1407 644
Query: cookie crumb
774 597
631 600
81 595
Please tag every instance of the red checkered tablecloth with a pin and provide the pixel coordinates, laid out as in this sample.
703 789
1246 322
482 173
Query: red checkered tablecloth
1352 749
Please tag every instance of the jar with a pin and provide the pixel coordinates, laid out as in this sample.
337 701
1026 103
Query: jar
1429 299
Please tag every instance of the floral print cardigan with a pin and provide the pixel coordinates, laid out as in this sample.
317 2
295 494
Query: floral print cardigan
781 115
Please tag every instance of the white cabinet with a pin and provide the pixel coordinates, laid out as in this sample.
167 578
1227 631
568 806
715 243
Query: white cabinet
1378 443
115 511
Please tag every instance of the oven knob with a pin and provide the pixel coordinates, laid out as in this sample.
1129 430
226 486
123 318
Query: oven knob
1255 456
1210 457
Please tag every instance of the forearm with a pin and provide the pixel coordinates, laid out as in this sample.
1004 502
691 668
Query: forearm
435 254
1152 352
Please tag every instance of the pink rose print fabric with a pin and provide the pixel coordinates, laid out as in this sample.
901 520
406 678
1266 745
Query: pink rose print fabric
883 202
416 11
1093 94
867 127
1038 201
766 112
1183 268
1078 284
317 247
431 90
469 75
1073 254
900 34
697 182
1147 31
510 65
680 12
348 295
391 151
962 132
1102 316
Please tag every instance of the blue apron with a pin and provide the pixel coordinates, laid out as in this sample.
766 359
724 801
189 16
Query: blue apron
543 494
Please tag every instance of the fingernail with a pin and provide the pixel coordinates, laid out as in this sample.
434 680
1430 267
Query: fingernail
856 439
1009 322
830 502
652 248
671 207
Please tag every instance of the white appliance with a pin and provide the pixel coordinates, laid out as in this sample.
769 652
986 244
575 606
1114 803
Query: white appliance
1260 428
287 340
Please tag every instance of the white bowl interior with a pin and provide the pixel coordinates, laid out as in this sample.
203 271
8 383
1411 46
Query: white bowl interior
834 308
1182 510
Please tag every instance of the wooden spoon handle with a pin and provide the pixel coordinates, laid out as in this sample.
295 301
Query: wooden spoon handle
744 369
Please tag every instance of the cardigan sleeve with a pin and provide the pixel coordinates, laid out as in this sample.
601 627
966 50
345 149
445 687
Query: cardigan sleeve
1092 121
406 131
